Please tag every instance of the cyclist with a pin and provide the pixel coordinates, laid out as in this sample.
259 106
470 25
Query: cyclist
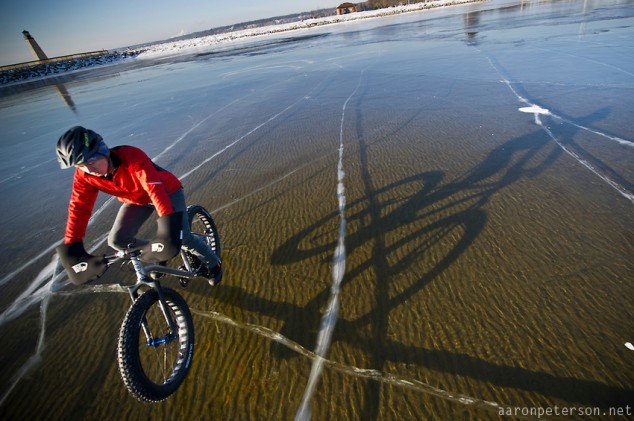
130 175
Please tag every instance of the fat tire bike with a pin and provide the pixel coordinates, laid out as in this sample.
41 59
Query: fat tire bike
156 339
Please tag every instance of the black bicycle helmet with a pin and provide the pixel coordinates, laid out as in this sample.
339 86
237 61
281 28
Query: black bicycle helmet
78 145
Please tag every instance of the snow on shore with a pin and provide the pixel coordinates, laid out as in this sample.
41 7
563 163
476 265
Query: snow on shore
178 46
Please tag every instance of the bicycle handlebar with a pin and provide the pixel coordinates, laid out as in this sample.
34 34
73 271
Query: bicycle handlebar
122 254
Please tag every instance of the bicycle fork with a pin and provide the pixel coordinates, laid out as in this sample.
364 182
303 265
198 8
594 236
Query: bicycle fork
143 279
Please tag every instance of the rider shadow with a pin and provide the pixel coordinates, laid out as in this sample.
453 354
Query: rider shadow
620 177
568 138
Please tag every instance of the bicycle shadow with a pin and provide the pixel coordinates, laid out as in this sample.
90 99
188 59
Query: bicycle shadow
457 210
441 211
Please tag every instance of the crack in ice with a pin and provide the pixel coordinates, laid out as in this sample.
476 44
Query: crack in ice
329 318
536 110
365 373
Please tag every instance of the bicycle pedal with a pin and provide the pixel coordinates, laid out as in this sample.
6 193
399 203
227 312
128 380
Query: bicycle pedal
183 281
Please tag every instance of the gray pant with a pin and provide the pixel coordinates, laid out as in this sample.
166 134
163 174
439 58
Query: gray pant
131 217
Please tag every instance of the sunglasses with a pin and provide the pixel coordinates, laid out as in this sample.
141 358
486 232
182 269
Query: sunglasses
89 160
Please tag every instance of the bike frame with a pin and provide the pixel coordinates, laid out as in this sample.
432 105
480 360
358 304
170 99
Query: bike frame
144 280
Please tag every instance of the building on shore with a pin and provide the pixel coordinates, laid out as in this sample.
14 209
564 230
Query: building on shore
345 8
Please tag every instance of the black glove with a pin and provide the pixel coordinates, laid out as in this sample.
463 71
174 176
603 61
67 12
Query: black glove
168 240
80 266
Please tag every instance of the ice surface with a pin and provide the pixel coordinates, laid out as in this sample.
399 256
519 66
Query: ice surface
237 119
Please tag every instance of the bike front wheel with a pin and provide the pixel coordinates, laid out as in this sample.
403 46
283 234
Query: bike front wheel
154 359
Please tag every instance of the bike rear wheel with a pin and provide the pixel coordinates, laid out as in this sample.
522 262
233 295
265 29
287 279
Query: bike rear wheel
153 369
202 226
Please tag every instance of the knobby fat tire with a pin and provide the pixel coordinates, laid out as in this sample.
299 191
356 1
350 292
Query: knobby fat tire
198 213
132 372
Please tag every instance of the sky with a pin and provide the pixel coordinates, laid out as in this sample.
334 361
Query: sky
63 27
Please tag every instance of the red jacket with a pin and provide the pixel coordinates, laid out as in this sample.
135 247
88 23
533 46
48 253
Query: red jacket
135 180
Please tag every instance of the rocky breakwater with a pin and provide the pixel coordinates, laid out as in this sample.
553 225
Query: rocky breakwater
39 69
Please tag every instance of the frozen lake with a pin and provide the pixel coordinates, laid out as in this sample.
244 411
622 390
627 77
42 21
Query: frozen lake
454 186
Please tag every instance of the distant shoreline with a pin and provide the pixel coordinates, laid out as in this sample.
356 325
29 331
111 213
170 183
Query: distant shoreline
205 41
31 71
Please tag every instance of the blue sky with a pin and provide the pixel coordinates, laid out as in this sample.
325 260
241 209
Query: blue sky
71 26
